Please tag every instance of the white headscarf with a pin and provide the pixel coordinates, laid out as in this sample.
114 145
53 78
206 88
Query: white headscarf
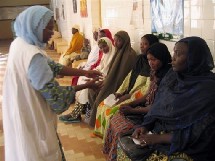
30 23
106 58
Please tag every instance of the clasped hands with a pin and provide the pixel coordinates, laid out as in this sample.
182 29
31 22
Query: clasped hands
96 81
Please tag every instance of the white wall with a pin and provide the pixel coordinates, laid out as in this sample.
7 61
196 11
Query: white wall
71 18
199 19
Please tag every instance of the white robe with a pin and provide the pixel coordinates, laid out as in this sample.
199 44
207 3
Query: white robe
82 95
29 124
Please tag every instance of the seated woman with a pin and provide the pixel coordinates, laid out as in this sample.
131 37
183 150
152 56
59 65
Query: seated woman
107 48
84 51
136 79
181 118
75 46
95 55
122 63
159 60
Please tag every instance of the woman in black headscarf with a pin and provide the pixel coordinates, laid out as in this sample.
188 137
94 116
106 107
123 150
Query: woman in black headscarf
182 117
142 66
159 60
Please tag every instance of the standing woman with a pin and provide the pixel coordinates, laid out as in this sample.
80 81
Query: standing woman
31 96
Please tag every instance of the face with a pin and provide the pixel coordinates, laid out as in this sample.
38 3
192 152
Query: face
179 59
95 35
144 45
48 31
104 47
74 31
154 63
118 42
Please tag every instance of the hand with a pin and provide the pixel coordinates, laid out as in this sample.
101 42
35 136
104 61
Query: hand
117 95
150 139
138 132
125 104
93 74
72 60
123 98
94 84
125 110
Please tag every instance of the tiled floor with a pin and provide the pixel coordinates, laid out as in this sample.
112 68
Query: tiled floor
75 138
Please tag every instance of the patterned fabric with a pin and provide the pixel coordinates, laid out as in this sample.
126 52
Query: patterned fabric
77 110
102 120
121 156
59 98
120 124
104 112
88 111
55 67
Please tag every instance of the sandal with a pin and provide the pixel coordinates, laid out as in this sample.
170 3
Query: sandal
70 119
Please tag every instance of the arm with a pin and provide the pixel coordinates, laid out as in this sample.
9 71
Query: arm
123 86
140 82
122 98
142 91
151 139
128 110
59 69
70 49
145 138
58 97
137 102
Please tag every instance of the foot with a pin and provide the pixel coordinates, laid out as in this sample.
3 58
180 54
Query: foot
69 119
94 135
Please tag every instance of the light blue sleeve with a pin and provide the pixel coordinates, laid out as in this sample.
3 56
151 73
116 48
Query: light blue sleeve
39 71
41 74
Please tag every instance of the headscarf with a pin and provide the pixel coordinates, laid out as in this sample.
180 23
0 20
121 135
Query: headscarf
76 26
107 57
100 55
108 34
197 62
141 66
185 104
161 52
122 62
30 23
